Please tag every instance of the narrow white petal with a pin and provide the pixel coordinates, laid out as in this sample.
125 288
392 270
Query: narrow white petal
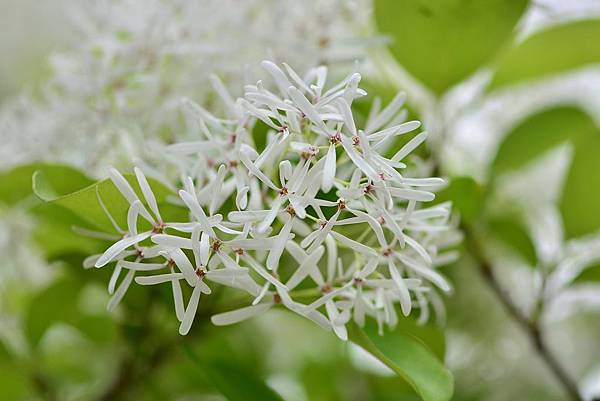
147 192
192 203
405 301
387 113
142 266
264 273
132 214
90 261
333 314
427 273
121 290
158 279
356 246
332 253
307 108
373 223
172 241
256 171
216 189
280 241
325 298
238 315
262 293
329 169
369 268
221 274
410 146
119 247
266 223
177 298
260 244
204 288
122 185
412 194
247 216
297 80
204 248
395 130
359 161
278 75
241 199
324 232
114 277
418 248
305 267
346 112
195 239
190 312
184 265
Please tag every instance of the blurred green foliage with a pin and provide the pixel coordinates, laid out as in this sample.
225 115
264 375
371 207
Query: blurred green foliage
443 42
554 50
406 352
134 353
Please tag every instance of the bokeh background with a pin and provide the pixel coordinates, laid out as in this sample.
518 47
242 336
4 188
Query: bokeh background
509 89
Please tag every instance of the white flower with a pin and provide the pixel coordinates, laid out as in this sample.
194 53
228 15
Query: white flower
320 195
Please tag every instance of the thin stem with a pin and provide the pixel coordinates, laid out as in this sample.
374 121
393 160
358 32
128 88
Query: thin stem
530 327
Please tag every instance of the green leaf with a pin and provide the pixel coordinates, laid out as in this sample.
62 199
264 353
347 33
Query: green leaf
580 199
54 235
545 130
554 50
53 304
16 183
232 380
591 274
86 205
13 381
409 358
101 329
466 195
512 233
60 303
442 42
539 133
52 229
428 334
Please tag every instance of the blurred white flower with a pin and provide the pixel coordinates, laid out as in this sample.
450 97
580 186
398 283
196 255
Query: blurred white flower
136 59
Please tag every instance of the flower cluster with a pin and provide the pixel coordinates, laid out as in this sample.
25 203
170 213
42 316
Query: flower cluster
322 205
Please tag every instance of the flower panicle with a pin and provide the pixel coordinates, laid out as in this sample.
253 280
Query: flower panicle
320 204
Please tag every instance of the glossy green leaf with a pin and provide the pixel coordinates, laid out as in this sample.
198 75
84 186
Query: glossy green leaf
580 201
410 358
554 50
539 133
16 183
85 203
53 233
442 42
232 380
52 224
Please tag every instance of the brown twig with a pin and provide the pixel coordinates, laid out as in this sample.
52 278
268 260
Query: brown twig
530 327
